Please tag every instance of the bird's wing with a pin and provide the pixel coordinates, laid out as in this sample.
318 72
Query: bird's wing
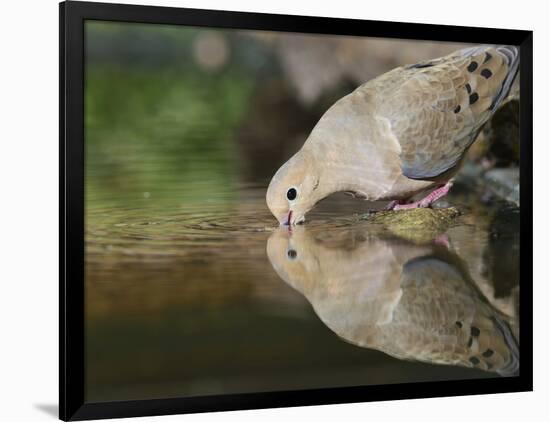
448 321
436 108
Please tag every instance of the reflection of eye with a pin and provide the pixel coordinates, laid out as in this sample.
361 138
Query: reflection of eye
292 254
291 194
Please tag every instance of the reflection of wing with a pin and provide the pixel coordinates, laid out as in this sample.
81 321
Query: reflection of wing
436 108
389 296
442 319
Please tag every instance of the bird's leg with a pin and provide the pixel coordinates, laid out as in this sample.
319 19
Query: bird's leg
391 205
426 201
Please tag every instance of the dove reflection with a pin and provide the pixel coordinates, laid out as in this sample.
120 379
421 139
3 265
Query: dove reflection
411 302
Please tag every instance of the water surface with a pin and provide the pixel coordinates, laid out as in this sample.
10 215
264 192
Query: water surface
208 298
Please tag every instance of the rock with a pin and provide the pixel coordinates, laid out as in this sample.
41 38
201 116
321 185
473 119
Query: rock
497 145
502 132
504 182
419 225
479 150
469 175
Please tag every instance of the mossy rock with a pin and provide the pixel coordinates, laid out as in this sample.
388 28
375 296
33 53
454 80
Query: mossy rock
419 225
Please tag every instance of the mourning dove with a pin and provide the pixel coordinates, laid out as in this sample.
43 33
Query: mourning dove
395 297
398 135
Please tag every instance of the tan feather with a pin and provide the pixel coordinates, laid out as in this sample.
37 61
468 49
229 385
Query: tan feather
436 108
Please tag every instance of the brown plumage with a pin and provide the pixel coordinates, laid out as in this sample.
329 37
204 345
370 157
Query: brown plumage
399 134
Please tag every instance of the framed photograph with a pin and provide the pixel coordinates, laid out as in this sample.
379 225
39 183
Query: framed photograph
266 210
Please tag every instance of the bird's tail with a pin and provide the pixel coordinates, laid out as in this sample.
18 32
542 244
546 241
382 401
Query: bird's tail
511 55
511 369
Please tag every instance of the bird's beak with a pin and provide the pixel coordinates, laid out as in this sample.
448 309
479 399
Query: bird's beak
287 219
290 219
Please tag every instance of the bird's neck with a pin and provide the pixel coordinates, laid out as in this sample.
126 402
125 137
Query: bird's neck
337 174
341 180
350 151
358 153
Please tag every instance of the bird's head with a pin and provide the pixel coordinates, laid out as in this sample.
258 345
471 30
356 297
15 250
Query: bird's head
294 190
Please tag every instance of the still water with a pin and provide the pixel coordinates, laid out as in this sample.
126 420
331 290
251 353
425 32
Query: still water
197 299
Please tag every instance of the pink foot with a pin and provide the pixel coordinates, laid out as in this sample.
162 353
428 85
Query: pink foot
425 202
391 205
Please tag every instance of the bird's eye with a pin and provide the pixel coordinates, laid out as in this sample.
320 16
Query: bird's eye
292 254
291 194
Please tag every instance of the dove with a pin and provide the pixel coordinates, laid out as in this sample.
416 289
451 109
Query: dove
398 136
399 298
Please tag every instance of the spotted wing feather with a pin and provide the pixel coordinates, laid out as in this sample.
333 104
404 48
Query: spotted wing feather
437 108
447 321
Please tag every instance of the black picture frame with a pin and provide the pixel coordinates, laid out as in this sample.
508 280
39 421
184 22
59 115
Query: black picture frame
72 15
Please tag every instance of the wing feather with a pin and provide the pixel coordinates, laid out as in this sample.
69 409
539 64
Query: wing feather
436 108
